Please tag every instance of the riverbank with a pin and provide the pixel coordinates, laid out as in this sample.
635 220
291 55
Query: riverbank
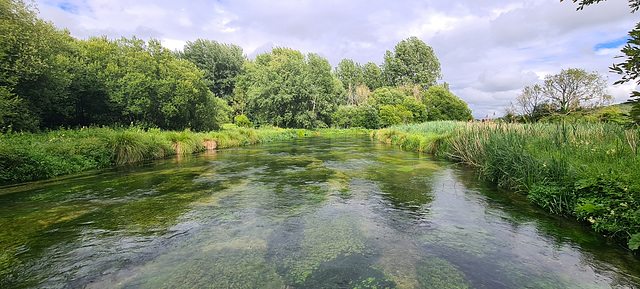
36 156
586 171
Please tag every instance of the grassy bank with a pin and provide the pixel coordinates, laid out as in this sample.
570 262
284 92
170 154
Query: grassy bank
36 156
588 171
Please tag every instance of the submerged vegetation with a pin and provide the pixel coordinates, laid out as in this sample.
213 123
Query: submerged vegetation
34 156
589 171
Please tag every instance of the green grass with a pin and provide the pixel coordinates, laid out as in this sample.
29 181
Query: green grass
36 156
589 171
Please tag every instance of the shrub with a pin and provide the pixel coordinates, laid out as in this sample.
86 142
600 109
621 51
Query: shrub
242 121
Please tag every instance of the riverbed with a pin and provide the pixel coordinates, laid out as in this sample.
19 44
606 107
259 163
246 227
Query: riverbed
315 212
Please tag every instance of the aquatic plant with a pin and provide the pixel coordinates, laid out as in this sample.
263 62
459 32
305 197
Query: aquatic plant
36 156
585 170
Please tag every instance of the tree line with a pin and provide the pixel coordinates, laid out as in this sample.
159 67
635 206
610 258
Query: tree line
49 79
571 91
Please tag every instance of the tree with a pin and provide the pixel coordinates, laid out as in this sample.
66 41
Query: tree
288 89
133 81
350 73
395 115
387 96
221 64
529 100
412 63
441 104
373 76
35 63
574 89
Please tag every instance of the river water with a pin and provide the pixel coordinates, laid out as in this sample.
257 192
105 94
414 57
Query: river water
319 212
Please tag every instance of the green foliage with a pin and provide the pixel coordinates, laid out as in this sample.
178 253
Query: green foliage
350 73
287 89
242 121
634 242
573 89
373 76
585 170
35 156
394 115
630 68
49 79
441 104
221 64
35 68
145 83
412 62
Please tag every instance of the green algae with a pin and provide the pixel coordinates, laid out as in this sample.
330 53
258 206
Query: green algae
298 215
324 238
438 273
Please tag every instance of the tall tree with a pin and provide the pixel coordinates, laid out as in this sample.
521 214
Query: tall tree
574 89
412 62
35 62
373 76
221 63
288 89
350 73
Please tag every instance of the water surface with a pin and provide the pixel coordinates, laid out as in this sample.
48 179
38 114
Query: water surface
342 212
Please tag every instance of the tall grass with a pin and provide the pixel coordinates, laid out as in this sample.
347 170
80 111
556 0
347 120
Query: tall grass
589 170
425 137
36 156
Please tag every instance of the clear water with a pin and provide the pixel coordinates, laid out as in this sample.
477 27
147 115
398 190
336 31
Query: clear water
343 212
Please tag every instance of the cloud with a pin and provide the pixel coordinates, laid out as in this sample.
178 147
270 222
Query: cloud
489 49
506 79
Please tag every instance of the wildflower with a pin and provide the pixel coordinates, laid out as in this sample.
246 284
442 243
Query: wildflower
591 220
623 204
544 165
613 213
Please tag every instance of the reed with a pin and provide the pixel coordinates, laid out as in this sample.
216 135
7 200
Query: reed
586 170
36 156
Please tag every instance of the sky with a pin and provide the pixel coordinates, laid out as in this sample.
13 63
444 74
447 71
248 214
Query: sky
489 50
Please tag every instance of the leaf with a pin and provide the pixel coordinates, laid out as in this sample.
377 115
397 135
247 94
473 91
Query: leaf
634 242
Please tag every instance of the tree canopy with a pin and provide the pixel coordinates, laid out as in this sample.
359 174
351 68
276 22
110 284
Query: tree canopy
569 91
50 79
442 104
288 89
412 62
574 89
221 64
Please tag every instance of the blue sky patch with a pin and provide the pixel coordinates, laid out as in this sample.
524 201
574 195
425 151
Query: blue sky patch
69 7
611 44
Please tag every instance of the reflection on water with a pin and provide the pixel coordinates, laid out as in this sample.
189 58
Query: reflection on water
312 213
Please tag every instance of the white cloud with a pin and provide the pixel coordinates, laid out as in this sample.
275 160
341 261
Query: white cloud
489 49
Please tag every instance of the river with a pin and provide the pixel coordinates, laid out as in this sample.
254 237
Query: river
317 212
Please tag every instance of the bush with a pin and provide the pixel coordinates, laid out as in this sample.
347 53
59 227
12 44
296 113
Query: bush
242 121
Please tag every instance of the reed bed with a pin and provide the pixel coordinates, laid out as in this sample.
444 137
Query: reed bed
589 171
